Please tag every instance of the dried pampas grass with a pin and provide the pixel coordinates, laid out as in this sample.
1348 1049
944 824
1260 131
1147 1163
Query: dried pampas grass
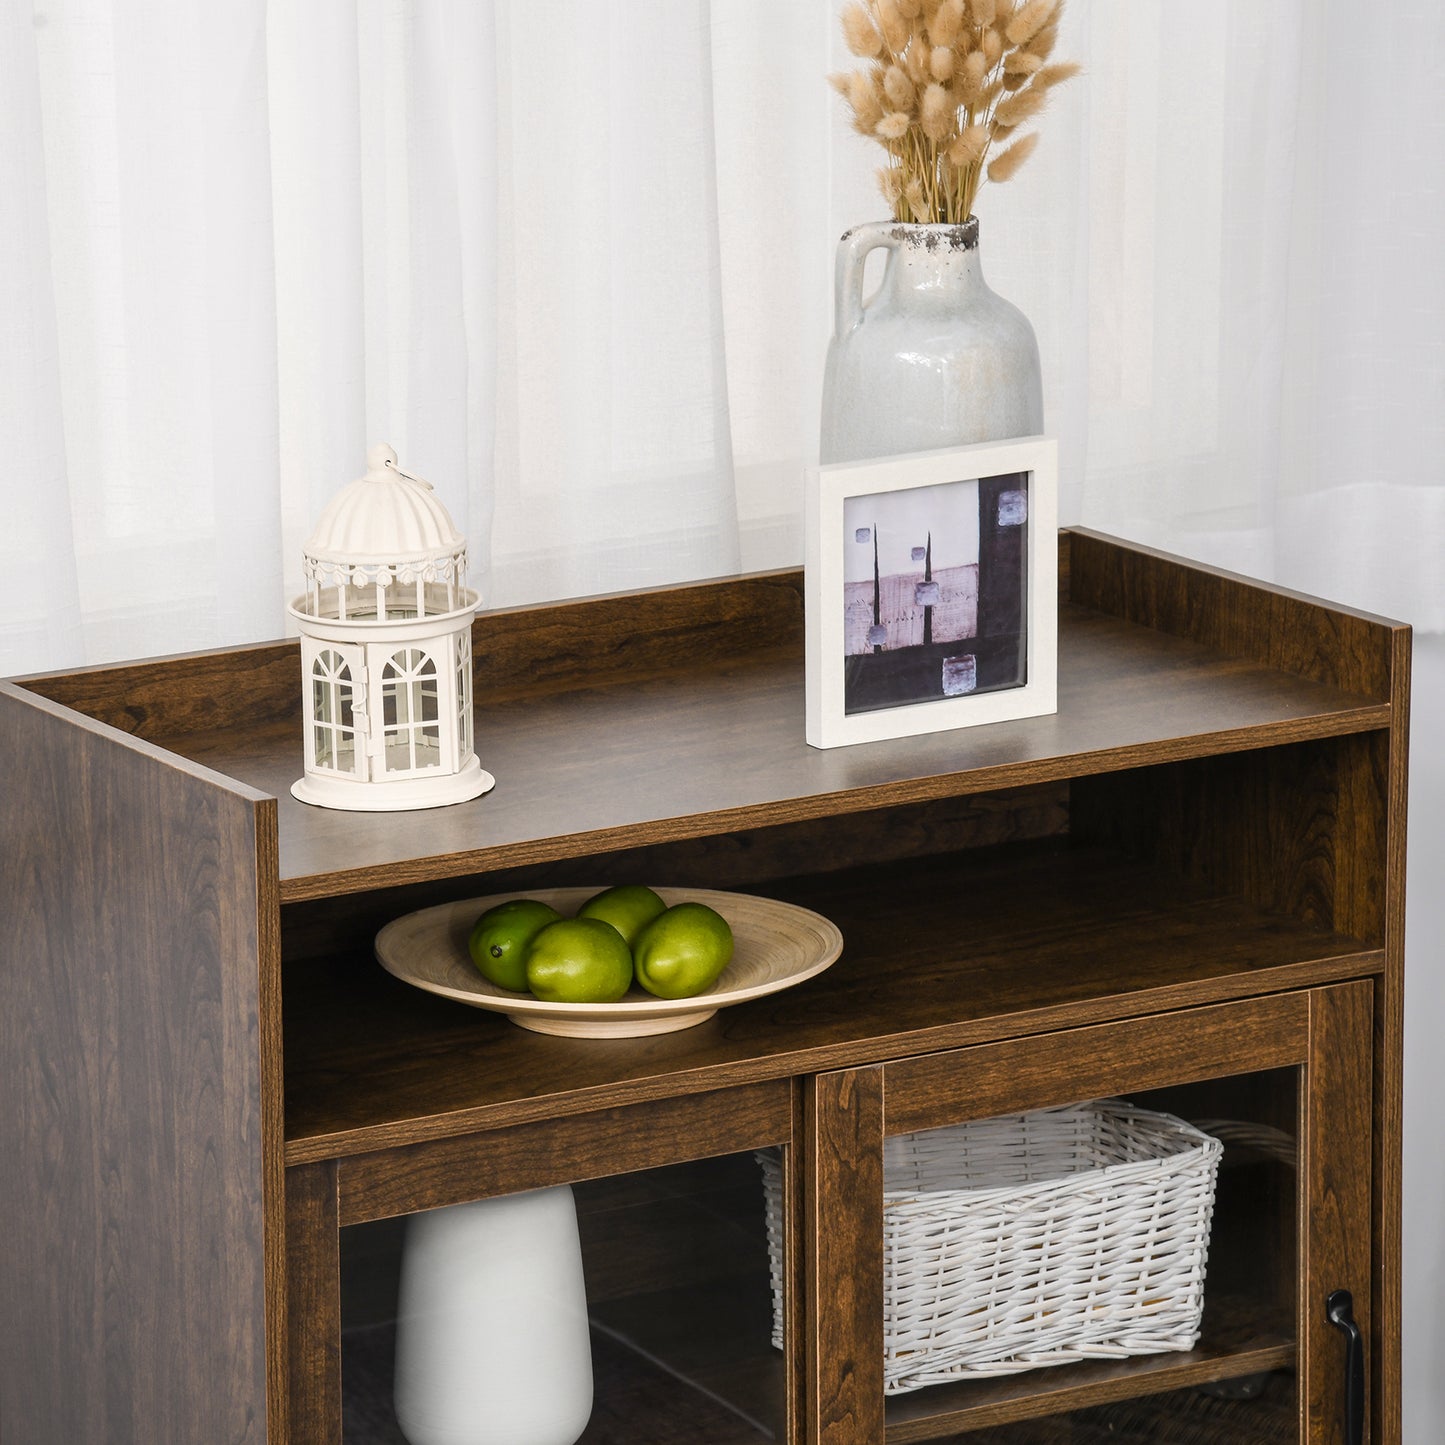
1029 21
898 88
861 33
946 81
1007 162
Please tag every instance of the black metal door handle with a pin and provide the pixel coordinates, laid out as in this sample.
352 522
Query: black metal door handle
1340 1311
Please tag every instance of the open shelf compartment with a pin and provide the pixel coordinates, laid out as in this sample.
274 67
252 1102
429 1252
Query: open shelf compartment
938 953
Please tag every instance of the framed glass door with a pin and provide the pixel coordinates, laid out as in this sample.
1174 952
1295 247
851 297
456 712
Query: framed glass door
1046 1294
612 1275
673 1314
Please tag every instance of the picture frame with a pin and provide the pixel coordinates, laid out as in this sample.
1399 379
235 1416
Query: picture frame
931 586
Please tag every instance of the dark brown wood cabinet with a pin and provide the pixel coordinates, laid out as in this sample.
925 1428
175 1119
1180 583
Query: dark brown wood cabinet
1185 888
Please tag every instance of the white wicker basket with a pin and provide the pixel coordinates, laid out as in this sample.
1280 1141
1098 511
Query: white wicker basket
1075 1233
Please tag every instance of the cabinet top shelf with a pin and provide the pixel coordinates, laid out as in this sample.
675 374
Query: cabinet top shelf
717 749
675 714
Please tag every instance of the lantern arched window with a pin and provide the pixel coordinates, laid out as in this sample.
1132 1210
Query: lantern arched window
410 712
333 713
386 649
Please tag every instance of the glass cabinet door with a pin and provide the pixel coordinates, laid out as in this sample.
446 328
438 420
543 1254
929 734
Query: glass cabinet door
1124 1232
673 1301
738 1276
600 1279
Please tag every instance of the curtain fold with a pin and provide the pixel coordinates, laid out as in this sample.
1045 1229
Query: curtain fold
614 449
42 620
322 368
157 212
384 156
1264 352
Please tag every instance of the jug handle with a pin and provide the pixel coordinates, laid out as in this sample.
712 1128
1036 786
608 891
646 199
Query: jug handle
853 251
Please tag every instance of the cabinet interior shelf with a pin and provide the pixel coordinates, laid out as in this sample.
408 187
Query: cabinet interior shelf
672 1370
938 954
1238 1338
694 1340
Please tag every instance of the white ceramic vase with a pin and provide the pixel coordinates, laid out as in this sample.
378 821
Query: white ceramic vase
935 358
492 1346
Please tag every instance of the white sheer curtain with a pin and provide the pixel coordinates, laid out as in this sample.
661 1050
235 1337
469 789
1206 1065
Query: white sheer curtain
583 286
382 119
243 240
610 364
137 366
574 263
1266 355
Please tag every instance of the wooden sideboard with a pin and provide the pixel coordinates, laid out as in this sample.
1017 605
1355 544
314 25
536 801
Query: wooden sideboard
1186 886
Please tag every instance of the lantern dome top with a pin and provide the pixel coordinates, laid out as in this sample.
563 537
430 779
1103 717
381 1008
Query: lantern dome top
385 516
386 535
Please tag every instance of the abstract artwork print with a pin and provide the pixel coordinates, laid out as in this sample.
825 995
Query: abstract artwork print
935 592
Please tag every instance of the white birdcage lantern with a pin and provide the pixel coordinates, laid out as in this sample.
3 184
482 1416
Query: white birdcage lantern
386 649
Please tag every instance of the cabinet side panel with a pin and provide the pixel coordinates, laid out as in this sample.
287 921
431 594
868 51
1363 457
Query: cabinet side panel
1299 829
1389 1023
1234 615
135 1265
239 687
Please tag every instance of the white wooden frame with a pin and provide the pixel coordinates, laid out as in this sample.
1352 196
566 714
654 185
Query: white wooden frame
828 725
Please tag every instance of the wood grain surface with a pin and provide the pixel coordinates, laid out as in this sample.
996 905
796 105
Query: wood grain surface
1232 615
167 697
326 927
798 1340
842 1144
1216 813
142 1194
632 635
586 1146
691 701
1289 828
1335 1220
698 754
1238 1337
1090 1063
1389 1059
536 649
938 954
313 1291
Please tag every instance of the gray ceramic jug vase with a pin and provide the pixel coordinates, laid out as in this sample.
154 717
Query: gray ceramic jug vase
934 359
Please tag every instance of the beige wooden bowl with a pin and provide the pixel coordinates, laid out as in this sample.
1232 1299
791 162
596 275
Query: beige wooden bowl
776 945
